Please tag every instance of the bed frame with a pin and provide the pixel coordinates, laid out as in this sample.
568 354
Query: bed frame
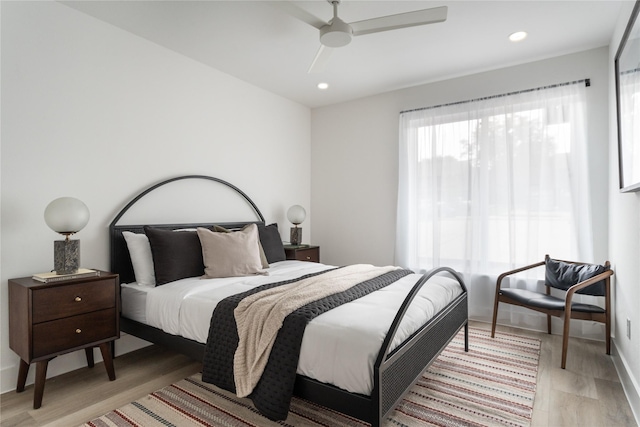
394 372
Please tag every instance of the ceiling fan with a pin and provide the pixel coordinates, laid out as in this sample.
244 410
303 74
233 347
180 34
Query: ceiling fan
337 33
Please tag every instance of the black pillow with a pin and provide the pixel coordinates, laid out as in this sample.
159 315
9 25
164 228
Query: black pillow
271 242
562 275
176 254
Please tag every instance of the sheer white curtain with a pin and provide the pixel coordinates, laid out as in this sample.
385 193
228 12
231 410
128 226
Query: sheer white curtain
493 184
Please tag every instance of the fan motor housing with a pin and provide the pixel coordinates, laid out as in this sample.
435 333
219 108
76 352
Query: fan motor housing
337 34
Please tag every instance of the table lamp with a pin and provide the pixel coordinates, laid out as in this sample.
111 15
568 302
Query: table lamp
296 215
66 215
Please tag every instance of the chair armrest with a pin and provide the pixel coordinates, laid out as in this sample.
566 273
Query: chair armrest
595 279
517 270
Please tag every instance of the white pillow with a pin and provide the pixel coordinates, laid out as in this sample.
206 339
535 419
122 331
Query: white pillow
141 258
230 254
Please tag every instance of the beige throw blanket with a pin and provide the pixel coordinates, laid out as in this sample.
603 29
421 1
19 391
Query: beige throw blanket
260 316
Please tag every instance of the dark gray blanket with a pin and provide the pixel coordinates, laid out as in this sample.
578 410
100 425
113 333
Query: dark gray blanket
272 395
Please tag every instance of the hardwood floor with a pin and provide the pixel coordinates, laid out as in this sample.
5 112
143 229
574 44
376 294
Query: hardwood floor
587 393
75 397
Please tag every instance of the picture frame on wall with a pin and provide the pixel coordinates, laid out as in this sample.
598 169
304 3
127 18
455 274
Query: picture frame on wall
627 73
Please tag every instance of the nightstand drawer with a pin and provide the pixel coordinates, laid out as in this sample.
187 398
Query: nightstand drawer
71 332
311 254
57 302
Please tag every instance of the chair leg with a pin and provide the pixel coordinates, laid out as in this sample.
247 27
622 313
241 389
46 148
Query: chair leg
565 338
549 324
607 338
495 318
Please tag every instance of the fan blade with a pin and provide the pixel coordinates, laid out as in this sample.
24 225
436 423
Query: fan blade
401 20
320 61
298 13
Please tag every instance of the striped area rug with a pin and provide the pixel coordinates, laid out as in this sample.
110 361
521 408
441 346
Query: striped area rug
494 384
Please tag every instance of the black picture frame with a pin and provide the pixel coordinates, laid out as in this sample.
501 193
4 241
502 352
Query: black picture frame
627 73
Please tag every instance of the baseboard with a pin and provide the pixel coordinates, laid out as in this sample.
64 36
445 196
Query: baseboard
630 387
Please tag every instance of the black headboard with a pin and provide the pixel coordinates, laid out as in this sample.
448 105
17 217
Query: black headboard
120 258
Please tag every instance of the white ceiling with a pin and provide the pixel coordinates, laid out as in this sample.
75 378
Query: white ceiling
260 43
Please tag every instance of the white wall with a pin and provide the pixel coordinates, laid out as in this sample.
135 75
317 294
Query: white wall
97 113
624 246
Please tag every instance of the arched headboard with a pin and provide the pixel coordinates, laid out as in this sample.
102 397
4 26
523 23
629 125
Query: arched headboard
120 258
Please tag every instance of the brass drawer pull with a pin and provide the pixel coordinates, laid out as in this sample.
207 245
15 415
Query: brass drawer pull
308 257
78 331
78 299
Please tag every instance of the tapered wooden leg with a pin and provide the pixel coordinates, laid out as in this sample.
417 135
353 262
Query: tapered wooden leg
565 337
607 316
22 376
105 349
565 346
41 376
89 353
495 313
549 324
607 328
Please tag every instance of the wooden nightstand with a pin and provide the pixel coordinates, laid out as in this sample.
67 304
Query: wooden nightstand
303 252
50 319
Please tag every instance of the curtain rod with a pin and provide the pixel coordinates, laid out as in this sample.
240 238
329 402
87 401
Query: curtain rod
587 83
635 70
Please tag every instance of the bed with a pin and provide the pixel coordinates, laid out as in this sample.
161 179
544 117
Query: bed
403 355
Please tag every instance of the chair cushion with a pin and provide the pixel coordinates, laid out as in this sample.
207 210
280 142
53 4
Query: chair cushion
534 299
547 302
562 275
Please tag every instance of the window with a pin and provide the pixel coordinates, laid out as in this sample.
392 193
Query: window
490 184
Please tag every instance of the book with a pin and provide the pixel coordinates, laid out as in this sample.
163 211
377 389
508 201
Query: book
53 277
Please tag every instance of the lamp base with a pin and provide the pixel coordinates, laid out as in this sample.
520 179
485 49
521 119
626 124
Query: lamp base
66 256
295 237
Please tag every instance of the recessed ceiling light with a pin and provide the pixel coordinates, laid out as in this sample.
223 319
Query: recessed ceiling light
518 36
323 86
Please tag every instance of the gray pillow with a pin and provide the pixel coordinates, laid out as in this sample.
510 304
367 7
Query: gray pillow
562 275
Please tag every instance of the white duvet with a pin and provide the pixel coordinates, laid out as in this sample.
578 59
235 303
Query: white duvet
339 347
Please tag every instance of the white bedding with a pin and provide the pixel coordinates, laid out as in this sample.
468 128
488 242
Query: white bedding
339 347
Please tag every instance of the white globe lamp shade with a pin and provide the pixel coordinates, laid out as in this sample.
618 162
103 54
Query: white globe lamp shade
66 215
296 214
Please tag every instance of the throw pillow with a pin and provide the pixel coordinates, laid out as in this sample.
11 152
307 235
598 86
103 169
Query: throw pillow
563 275
176 254
230 254
141 258
263 258
271 243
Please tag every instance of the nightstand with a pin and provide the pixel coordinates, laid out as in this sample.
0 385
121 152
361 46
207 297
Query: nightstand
302 252
50 319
